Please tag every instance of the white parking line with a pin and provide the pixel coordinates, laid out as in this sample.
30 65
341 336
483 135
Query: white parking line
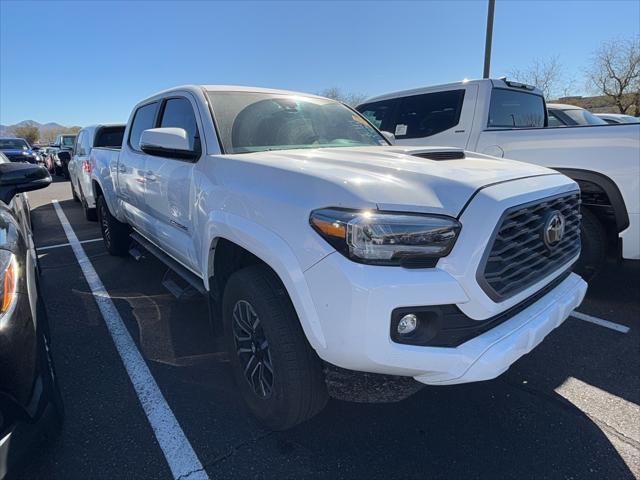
49 247
598 321
177 450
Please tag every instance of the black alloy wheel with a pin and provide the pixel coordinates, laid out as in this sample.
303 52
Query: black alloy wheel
252 349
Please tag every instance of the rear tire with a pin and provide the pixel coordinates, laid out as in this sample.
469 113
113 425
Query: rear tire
284 384
594 246
114 233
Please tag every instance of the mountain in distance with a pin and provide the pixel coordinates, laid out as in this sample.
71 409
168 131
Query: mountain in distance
7 130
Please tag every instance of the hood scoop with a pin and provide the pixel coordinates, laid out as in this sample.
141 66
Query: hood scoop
441 155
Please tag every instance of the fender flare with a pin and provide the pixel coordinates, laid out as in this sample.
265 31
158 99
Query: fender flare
276 253
109 196
609 187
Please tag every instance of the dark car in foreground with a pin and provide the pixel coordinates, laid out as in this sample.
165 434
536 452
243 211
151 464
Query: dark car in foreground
18 150
31 407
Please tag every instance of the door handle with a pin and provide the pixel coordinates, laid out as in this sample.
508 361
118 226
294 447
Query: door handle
122 168
149 176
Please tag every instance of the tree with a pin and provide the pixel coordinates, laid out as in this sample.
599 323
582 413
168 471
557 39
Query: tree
350 98
615 72
546 74
49 135
29 132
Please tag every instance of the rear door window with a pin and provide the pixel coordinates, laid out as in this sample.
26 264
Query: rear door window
424 115
514 109
143 119
178 113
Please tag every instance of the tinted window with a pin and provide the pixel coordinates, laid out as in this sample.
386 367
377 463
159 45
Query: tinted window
425 115
513 109
179 113
143 120
110 137
380 113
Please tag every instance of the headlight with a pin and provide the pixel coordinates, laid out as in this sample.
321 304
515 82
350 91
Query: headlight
384 238
8 280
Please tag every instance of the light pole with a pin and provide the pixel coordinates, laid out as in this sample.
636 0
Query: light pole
489 38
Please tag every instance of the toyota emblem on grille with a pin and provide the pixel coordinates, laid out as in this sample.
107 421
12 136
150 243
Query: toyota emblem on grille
553 229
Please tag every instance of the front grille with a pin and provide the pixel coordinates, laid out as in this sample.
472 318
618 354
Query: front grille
16 158
444 155
518 255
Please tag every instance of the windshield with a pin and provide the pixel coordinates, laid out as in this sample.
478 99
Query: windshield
68 140
13 144
255 122
584 117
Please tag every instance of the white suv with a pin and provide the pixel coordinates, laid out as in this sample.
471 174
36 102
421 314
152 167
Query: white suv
322 245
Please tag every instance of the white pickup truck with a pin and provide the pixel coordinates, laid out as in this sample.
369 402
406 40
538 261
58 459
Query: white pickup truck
105 136
508 119
327 249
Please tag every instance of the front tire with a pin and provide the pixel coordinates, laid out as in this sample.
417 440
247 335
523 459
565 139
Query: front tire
594 246
279 375
114 233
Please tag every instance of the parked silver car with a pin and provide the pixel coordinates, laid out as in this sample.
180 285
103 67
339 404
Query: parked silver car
105 136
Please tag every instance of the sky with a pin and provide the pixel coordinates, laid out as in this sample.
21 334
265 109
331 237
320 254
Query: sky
78 63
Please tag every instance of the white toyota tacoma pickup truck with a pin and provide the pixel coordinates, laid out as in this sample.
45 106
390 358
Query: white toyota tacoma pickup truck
508 119
325 248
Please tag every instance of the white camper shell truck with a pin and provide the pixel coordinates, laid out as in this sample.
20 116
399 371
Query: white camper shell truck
509 119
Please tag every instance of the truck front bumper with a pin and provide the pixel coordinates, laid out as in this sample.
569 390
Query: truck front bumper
355 302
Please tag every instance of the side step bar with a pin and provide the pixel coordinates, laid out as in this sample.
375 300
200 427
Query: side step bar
192 279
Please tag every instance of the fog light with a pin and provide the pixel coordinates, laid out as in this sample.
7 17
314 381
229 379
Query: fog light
407 324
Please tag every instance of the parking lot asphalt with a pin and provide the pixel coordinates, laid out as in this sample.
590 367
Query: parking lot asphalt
569 409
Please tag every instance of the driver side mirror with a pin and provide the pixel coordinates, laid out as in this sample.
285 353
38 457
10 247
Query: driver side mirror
390 137
168 142
21 177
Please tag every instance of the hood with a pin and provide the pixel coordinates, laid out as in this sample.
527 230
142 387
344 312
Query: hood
15 151
394 178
